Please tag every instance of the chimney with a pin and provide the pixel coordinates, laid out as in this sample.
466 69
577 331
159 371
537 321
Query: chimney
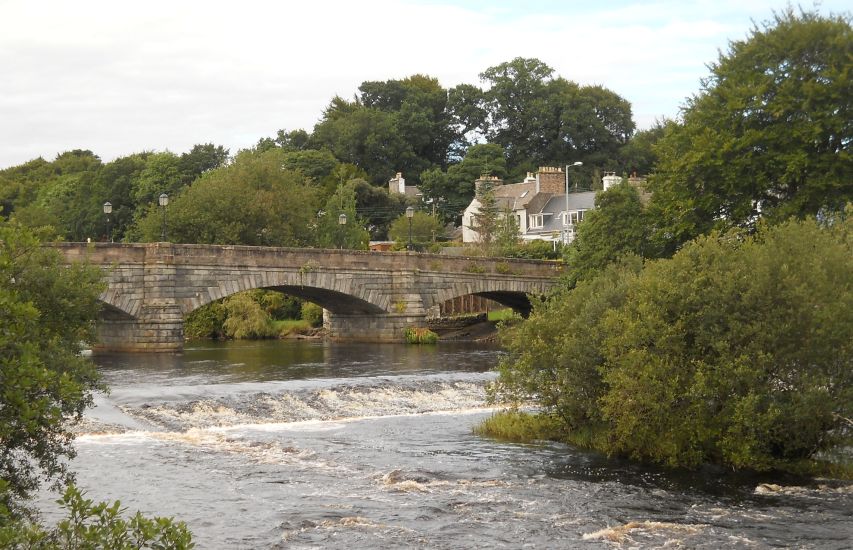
610 179
550 180
485 178
397 184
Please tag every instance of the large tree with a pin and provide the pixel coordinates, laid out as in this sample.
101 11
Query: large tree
544 120
47 313
768 135
252 201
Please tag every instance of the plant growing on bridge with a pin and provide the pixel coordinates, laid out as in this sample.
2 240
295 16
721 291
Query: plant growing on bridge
417 335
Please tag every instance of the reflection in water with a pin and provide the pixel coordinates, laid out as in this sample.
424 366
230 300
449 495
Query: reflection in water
276 360
311 444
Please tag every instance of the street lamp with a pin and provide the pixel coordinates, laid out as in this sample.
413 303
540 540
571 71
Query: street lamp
410 213
566 219
108 208
342 221
164 202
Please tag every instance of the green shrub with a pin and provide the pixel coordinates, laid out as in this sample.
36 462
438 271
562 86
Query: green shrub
246 318
417 335
736 351
312 313
206 322
89 525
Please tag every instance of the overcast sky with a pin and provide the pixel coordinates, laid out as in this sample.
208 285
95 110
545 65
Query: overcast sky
119 77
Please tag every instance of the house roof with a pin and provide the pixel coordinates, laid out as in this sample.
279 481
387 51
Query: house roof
556 204
514 195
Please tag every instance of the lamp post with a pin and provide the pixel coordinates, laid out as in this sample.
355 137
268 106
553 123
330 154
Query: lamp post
342 221
566 219
410 213
164 202
108 208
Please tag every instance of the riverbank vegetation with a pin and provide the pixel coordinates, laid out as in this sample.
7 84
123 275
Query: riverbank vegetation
737 350
254 314
47 315
715 323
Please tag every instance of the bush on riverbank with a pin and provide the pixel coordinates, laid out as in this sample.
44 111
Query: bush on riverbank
254 314
736 351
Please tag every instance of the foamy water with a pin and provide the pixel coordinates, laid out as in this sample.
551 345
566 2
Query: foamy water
272 446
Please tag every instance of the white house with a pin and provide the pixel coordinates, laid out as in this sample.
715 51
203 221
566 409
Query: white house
540 204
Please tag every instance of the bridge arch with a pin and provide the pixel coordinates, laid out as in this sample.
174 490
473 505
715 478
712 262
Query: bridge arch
336 293
511 293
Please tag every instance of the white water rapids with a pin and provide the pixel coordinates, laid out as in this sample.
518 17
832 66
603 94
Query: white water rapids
317 445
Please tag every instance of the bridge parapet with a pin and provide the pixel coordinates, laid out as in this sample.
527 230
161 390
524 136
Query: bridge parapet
366 295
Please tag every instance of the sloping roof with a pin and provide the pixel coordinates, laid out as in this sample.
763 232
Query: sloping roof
538 202
556 204
514 195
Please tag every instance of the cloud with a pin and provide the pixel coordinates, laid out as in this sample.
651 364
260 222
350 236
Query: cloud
122 77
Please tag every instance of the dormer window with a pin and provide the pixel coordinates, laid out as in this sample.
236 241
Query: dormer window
536 221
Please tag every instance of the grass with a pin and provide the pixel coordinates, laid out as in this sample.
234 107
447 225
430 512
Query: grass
503 315
289 326
522 427
519 427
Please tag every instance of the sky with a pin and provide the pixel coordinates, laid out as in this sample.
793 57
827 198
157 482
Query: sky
121 77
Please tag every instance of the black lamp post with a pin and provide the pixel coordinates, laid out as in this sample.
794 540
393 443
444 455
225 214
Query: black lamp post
108 208
164 202
410 213
342 221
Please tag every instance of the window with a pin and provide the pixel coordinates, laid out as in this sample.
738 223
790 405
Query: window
536 221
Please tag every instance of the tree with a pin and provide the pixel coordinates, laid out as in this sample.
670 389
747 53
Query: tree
200 159
617 226
330 233
769 134
735 351
543 120
252 201
47 313
453 190
90 525
424 230
638 156
517 102
486 219
377 207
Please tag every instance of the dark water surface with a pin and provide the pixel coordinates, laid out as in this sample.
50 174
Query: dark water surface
305 444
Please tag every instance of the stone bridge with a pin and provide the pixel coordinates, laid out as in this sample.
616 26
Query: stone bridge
370 296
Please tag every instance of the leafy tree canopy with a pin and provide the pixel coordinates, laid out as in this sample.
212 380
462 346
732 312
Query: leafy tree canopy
47 311
252 201
768 135
617 226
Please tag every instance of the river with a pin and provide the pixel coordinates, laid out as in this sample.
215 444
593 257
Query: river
311 444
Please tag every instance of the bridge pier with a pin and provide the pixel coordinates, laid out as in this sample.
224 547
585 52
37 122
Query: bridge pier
389 327
160 329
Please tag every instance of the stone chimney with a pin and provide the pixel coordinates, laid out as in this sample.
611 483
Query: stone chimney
610 179
551 180
485 178
397 184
